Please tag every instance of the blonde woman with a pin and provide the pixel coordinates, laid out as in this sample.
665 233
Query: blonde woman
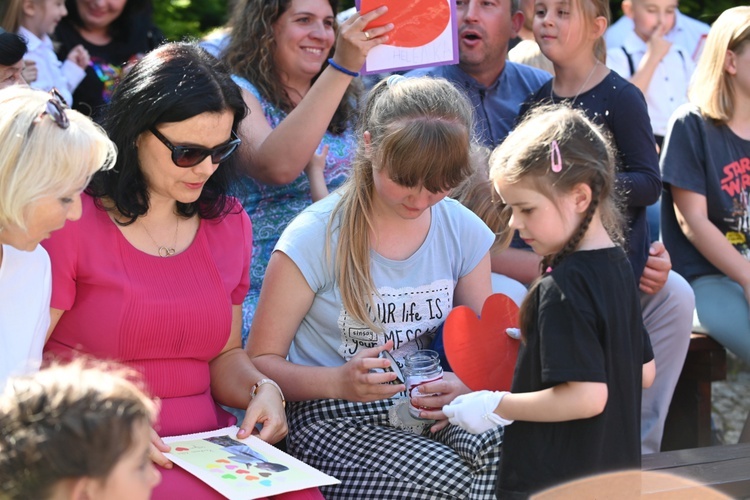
377 266
705 164
47 155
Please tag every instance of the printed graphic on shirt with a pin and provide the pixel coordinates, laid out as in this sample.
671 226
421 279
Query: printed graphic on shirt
736 184
111 74
410 317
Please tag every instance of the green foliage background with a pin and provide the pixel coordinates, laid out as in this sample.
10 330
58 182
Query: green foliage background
193 18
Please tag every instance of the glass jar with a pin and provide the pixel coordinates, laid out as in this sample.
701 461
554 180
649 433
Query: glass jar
421 368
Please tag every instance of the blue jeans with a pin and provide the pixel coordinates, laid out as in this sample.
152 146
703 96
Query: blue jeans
723 311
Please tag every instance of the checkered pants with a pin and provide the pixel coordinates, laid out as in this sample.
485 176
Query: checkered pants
355 443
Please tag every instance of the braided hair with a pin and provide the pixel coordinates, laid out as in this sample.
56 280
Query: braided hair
557 148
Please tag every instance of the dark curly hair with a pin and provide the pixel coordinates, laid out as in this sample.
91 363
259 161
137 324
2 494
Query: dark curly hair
170 84
250 54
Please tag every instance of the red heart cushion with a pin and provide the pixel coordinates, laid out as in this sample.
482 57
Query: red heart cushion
479 351
415 22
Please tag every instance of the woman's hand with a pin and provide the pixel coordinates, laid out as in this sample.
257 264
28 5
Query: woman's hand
359 383
266 409
446 390
354 42
157 450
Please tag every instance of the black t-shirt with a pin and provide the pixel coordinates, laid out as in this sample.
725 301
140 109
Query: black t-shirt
107 61
589 329
709 159
620 108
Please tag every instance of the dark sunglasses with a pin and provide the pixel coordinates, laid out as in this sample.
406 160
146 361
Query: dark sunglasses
190 156
55 109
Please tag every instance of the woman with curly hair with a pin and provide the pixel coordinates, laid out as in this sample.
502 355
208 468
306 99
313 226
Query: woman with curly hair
301 93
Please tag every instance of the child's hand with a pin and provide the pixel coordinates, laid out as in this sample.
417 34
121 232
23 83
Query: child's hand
315 174
29 71
475 412
317 163
79 56
657 45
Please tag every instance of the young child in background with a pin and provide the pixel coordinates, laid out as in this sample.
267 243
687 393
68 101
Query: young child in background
36 20
572 39
315 171
659 68
477 194
686 32
76 432
586 354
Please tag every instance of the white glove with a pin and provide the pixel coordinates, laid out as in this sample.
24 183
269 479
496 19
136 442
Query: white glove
475 412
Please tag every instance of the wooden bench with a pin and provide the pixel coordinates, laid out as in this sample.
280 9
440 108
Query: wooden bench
724 468
688 423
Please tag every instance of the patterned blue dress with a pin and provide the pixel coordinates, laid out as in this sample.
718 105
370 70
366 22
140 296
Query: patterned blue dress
272 207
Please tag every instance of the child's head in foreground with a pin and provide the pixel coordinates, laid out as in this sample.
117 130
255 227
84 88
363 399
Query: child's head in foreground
560 168
75 432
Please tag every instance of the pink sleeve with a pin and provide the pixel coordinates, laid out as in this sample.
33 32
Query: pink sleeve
62 248
238 294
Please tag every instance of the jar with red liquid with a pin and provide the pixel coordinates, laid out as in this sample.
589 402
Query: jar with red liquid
420 368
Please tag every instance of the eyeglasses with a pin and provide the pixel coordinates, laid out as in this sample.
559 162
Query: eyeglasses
55 109
189 156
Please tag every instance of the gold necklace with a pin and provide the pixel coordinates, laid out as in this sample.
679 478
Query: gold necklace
573 101
163 250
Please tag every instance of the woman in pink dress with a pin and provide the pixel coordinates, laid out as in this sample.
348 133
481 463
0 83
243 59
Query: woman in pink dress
154 273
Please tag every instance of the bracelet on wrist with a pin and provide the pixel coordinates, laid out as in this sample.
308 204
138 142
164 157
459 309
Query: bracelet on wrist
254 390
341 68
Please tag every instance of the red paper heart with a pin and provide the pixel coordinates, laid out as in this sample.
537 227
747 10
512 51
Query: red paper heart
415 22
479 351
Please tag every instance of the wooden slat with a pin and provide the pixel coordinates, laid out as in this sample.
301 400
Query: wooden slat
724 468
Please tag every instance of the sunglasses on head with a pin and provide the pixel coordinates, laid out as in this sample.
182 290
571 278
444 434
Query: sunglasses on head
55 109
190 156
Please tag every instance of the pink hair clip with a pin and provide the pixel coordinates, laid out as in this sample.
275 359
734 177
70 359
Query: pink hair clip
555 158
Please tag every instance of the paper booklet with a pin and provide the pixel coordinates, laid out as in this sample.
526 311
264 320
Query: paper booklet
425 33
242 469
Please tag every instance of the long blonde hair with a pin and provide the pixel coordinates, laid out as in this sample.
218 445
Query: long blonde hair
420 130
11 12
711 89
38 158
